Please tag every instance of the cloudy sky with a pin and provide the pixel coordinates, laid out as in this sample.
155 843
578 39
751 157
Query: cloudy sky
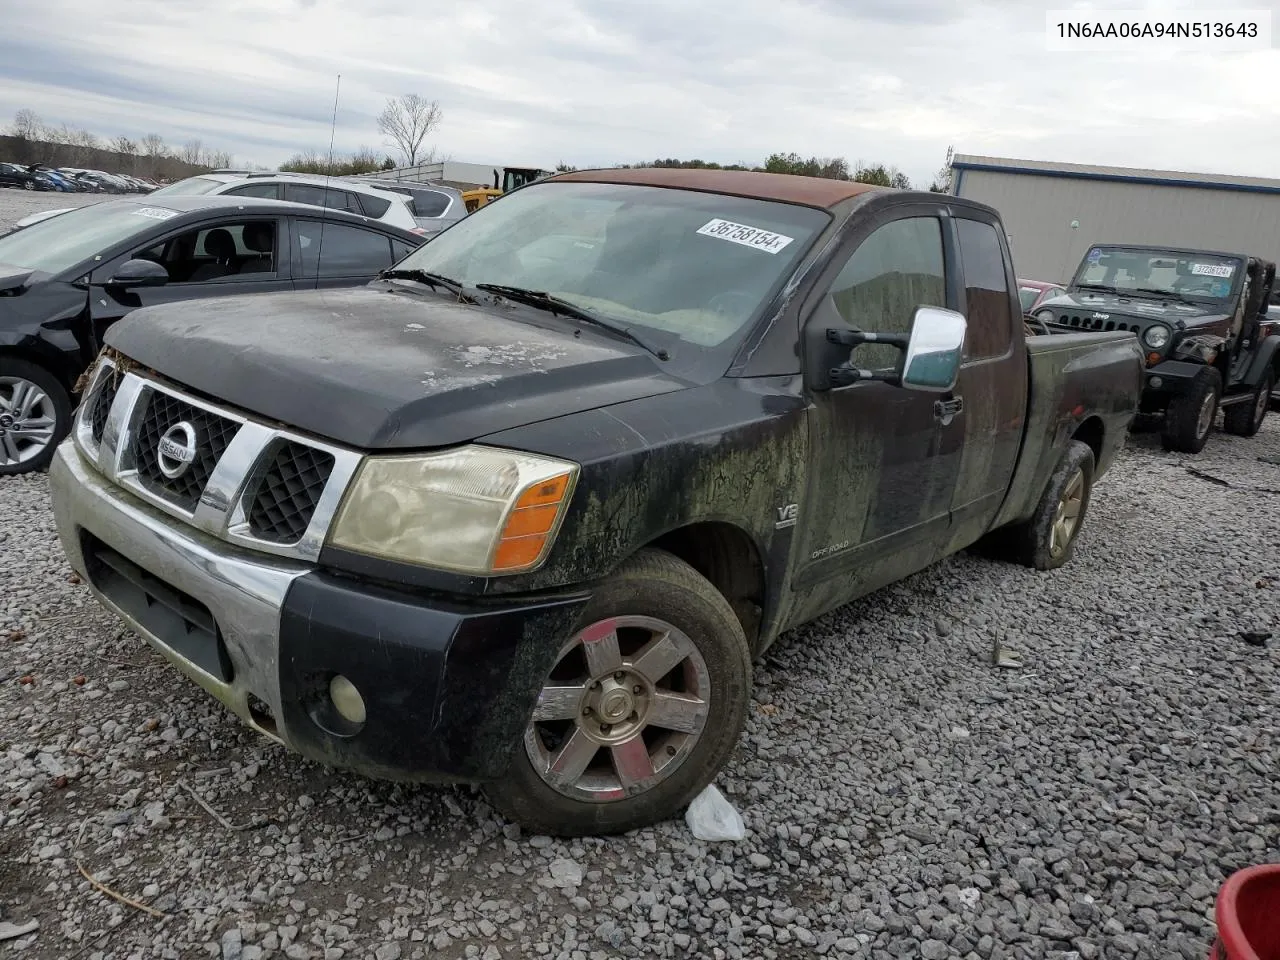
597 82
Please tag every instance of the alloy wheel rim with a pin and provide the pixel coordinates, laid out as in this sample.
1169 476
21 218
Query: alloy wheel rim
624 706
1205 420
27 421
1067 517
1260 407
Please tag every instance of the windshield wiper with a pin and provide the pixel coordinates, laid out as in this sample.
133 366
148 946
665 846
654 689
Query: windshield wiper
1166 294
422 276
1096 286
553 304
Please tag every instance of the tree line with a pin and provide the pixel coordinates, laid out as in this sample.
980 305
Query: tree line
33 140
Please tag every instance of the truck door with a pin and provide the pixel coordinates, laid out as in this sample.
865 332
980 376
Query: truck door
878 501
982 448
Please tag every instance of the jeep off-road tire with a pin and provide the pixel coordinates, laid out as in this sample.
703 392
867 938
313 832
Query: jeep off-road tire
35 415
1047 540
1245 419
1189 419
642 710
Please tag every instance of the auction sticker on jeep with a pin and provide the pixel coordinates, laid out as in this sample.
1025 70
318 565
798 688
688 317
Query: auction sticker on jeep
746 235
1212 269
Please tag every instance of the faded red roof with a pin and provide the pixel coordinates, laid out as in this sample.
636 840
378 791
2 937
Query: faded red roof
812 191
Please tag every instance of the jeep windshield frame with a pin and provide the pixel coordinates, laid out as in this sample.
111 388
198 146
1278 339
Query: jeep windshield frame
1210 279
696 270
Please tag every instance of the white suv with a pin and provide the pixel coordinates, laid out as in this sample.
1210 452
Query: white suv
317 191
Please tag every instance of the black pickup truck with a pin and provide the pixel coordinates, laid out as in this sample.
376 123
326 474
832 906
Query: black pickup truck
524 511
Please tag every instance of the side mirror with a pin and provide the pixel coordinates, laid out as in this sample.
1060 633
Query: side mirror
139 273
934 350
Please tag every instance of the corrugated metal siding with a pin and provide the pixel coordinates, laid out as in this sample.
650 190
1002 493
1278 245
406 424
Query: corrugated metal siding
1038 211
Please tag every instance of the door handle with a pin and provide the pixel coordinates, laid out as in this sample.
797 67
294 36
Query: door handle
944 411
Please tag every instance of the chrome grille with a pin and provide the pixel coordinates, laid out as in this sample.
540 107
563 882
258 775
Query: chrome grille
213 434
251 484
287 495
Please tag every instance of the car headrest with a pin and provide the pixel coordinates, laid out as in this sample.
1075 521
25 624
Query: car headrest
219 244
260 236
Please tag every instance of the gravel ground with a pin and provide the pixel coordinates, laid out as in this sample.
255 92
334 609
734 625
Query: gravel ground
903 797
16 204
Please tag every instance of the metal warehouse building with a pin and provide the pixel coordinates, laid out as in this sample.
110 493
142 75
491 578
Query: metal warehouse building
1053 212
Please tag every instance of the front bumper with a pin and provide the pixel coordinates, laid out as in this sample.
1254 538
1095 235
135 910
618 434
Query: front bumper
448 684
1168 379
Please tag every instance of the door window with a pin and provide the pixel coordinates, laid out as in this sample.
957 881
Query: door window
235 249
986 291
322 196
893 271
268 191
343 250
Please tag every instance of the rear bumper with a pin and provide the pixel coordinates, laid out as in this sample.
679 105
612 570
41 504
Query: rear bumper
448 685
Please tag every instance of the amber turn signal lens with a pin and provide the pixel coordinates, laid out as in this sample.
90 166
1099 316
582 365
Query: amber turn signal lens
525 534
1153 359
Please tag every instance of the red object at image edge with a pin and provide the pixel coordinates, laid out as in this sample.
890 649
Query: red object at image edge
1248 915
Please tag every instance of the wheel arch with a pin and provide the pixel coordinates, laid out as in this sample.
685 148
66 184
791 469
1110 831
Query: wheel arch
42 360
714 549
1092 432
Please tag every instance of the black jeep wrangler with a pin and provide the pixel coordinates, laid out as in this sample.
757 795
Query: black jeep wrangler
1201 318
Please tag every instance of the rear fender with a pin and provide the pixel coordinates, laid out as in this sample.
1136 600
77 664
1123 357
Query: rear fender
1265 358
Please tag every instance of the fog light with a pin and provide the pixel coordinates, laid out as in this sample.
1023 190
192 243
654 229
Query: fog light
346 699
1156 384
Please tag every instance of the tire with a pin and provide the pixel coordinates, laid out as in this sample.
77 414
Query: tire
51 410
1245 419
654 591
28 185
1042 541
1189 419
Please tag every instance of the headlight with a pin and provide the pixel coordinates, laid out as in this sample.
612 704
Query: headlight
1045 316
476 510
1156 337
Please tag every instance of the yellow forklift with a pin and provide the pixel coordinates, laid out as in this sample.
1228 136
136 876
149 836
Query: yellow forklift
509 177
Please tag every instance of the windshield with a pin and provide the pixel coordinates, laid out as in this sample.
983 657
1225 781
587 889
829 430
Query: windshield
1028 296
53 245
1154 272
190 187
695 265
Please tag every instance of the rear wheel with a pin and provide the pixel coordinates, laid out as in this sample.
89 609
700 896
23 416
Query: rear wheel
1047 540
1245 419
28 185
642 708
1190 416
35 414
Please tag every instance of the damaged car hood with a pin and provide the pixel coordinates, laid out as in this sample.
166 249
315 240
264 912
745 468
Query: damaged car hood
1089 302
375 369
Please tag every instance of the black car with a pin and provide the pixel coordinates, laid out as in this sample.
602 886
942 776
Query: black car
12 175
64 280
1200 317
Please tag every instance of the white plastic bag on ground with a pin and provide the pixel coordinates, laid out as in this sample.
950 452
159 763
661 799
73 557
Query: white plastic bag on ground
711 817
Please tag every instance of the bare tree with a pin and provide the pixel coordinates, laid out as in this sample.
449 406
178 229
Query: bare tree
406 120
123 144
27 125
192 151
153 145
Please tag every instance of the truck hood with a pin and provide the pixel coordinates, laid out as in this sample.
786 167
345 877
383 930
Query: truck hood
378 370
1087 303
13 278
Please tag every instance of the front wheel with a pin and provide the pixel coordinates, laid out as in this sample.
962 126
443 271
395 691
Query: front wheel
642 708
28 185
1190 416
1245 419
35 414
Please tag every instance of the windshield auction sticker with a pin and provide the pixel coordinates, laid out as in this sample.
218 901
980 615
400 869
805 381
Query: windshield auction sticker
1212 269
748 236
155 213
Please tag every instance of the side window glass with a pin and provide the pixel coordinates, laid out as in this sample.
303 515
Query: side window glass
893 271
429 203
400 249
986 291
229 250
319 196
373 206
343 251
268 191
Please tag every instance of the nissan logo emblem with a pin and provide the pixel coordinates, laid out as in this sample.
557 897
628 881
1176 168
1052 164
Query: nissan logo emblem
177 450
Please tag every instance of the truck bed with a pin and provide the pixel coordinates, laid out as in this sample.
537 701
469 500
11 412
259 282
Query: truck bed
1063 369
